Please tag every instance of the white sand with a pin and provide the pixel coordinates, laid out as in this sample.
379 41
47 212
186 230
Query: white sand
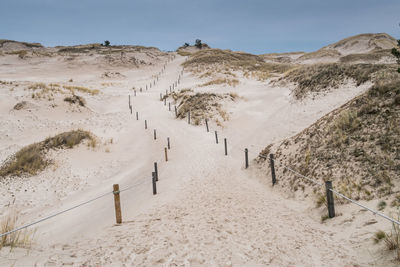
209 210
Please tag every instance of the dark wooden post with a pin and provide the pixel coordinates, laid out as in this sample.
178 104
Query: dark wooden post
155 134
329 199
168 144
137 115
166 154
272 163
246 157
169 106
129 101
226 147
176 112
145 124
166 92
207 125
156 170
130 108
153 174
216 137
117 204
189 117
146 87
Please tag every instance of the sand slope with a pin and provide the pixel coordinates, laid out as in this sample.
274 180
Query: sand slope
209 210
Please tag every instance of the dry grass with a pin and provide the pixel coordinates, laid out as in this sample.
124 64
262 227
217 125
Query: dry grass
320 54
21 53
23 238
367 57
355 146
317 78
230 82
31 159
391 239
225 61
201 105
48 91
74 99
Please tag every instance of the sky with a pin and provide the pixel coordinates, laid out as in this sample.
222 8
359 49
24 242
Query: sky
253 26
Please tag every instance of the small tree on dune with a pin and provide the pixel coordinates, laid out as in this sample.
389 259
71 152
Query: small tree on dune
186 45
396 53
198 44
106 43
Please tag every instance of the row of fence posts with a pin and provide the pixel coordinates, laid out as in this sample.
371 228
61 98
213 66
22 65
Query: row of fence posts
155 176
328 184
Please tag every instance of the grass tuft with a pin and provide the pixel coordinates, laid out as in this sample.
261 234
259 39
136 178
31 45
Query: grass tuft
21 238
31 159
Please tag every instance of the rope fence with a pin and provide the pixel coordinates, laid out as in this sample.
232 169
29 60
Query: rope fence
116 191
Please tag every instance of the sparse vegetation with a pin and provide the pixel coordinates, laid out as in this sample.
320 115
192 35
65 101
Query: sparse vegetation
230 82
75 99
381 205
355 146
21 53
48 91
391 239
20 105
201 105
319 78
21 238
31 159
218 60
106 43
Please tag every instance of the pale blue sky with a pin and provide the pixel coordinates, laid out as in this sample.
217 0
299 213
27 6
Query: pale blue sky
254 26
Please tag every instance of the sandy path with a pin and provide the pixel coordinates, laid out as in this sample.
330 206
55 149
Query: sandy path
209 210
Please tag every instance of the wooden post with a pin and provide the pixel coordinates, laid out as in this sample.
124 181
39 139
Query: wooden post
272 163
168 144
169 106
176 112
117 204
140 91
137 115
130 107
189 117
329 199
166 154
216 137
170 88
146 87
207 125
156 170
145 124
155 134
246 157
129 101
226 147
166 92
153 179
